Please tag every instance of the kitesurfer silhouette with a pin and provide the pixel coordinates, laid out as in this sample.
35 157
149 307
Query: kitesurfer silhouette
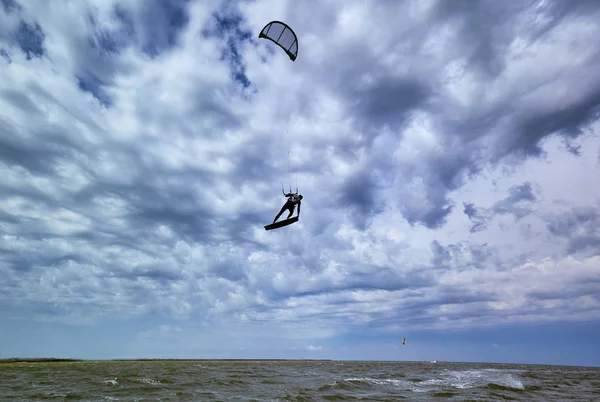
293 200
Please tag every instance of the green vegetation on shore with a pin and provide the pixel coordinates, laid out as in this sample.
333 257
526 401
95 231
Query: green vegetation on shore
53 359
36 360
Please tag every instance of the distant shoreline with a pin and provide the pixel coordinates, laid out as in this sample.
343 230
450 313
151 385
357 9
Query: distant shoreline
37 360
67 360
58 360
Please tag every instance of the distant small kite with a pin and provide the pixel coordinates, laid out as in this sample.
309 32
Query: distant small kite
403 340
283 36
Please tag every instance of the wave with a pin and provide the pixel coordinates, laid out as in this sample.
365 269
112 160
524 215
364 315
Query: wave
449 379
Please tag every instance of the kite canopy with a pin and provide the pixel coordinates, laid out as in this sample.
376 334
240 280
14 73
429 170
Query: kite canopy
282 35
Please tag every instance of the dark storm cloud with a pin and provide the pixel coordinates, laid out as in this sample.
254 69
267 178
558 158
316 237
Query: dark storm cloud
378 278
159 24
158 198
486 24
359 192
486 27
581 226
93 85
518 203
484 33
37 161
523 192
387 101
11 6
570 122
441 256
5 56
154 27
31 39
476 216
452 256
432 217
27 35
227 25
589 287
482 254
38 157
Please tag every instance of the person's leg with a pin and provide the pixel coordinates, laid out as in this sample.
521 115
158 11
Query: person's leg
289 206
280 212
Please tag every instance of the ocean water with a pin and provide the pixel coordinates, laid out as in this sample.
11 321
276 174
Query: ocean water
196 380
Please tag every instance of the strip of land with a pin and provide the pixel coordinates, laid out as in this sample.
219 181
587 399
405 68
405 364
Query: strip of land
53 359
36 360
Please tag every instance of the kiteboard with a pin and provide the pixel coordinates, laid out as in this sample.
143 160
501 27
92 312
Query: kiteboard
281 224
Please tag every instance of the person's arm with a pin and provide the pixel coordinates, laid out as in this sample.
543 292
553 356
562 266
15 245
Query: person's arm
299 203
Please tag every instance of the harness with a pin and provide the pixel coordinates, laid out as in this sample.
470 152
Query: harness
294 199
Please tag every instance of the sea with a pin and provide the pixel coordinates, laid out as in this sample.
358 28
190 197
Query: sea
293 380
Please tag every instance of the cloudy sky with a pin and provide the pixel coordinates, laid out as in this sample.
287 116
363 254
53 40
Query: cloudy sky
448 153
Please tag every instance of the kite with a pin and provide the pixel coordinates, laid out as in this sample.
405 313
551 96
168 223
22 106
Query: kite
283 36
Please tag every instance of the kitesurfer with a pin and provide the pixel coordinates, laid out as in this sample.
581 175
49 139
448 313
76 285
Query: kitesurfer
293 200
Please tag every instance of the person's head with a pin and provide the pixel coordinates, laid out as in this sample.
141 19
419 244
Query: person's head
300 196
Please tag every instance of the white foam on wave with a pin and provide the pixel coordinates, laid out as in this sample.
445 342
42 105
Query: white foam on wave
148 381
378 381
460 379
112 382
402 384
478 378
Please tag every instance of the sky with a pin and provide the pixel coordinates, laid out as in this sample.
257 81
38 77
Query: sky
448 153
